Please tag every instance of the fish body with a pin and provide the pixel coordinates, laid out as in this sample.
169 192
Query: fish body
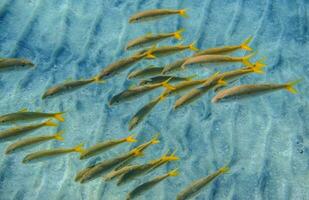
18 131
66 87
120 66
98 169
145 72
116 173
162 78
217 59
149 15
226 49
7 63
149 184
24 116
174 66
151 39
142 113
21 144
104 146
132 93
197 185
39 155
156 52
243 91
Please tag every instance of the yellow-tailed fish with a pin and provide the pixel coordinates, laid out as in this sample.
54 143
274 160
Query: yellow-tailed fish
174 66
226 49
244 91
162 78
67 86
104 146
13 63
12 133
217 59
24 115
138 91
150 39
149 15
46 154
155 52
119 66
139 170
197 185
99 169
214 81
150 184
29 142
145 72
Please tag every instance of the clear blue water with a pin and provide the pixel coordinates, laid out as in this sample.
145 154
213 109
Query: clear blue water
265 140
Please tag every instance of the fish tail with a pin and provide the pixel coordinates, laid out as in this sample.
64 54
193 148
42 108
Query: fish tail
79 148
50 123
258 66
222 82
174 172
131 139
137 152
59 117
246 59
183 13
224 169
155 140
58 136
193 47
149 53
172 156
289 86
245 45
167 85
178 35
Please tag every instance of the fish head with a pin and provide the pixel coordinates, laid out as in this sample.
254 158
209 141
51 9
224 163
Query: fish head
133 123
3 119
114 100
26 63
134 19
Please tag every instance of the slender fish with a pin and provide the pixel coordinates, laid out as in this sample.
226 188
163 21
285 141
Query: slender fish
67 87
244 91
150 39
44 154
138 91
104 146
98 169
215 81
150 184
217 59
116 173
29 142
24 115
226 49
145 72
21 130
139 170
149 15
162 78
155 52
197 185
12 63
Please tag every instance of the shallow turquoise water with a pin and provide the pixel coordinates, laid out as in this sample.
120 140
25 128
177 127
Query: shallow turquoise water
264 140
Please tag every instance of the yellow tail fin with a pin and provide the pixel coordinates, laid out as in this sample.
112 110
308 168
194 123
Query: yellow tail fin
193 47
174 172
224 169
258 66
155 140
59 117
183 13
131 139
58 136
50 123
167 85
222 82
245 45
79 148
290 88
178 35
245 59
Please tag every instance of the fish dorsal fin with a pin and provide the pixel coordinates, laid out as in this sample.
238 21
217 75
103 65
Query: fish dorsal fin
23 110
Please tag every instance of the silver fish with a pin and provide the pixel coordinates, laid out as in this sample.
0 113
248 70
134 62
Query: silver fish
148 15
197 185
12 63
25 115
